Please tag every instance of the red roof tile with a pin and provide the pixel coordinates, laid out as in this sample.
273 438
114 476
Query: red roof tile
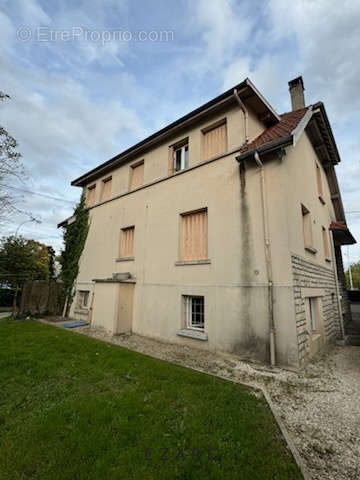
282 129
337 226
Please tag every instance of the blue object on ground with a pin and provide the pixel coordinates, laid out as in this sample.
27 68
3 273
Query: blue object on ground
75 324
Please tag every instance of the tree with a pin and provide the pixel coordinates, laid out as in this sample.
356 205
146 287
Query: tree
355 273
51 260
22 260
75 235
10 167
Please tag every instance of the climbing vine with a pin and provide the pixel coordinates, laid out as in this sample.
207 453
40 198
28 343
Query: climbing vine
74 237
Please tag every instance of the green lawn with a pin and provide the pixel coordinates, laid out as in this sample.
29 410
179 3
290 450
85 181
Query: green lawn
75 408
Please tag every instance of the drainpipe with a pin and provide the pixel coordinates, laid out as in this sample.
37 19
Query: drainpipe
342 329
267 259
246 117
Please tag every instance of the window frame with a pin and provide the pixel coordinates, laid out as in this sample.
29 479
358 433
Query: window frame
182 147
90 189
209 128
82 295
307 229
319 183
326 243
103 183
313 305
132 168
189 312
181 256
122 232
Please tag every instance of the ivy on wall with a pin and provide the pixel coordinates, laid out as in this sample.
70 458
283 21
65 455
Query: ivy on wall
75 235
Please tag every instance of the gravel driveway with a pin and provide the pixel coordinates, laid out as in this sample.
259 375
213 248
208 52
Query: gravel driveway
320 406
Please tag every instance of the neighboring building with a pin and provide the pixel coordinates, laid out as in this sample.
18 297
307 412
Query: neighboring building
223 231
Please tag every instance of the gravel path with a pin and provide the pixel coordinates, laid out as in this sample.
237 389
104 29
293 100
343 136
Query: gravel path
320 406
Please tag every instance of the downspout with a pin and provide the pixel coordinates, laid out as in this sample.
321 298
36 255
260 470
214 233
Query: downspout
342 329
267 259
246 116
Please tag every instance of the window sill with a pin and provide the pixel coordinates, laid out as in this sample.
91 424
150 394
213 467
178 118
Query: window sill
83 311
192 262
310 249
124 259
198 335
328 260
321 199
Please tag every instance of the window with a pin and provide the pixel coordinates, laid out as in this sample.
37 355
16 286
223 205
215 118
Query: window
326 244
194 236
136 175
313 313
215 140
83 298
106 189
90 196
127 242
307 227
319 182
194 309
181 157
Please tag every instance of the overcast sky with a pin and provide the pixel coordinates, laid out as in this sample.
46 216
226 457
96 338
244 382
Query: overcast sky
89 79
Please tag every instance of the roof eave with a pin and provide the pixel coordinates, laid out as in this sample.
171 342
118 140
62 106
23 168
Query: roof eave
201 111
267 148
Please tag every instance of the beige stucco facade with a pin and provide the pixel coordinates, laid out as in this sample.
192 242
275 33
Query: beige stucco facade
234 279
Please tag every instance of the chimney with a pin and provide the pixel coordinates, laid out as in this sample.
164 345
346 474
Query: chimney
296 88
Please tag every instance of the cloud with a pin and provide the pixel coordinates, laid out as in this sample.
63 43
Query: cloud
74 104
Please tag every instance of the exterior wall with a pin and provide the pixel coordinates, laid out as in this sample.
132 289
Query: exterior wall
156 159
310 269
234 279
236 318
309 276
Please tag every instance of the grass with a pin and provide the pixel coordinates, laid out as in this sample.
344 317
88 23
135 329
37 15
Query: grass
75 408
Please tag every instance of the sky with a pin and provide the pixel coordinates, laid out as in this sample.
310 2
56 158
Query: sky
88 79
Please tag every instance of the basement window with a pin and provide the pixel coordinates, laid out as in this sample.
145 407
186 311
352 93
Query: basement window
195 312
83 298
313 313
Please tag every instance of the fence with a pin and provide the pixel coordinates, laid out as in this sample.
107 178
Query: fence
41 297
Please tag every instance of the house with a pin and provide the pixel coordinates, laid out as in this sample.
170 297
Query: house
222 230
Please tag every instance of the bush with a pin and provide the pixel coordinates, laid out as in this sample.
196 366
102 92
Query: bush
6 297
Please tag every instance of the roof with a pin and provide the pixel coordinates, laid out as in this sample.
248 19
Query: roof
281 130
246 90
341 233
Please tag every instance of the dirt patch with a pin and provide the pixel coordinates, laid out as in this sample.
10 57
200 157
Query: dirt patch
320 406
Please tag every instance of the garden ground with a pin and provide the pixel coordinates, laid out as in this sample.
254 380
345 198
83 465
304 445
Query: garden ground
73 407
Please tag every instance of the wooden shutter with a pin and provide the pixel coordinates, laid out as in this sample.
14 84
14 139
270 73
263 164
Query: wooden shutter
307 227
194 236
137 176
319 180
171 160
90 198
215 141
106 189
325 243
127 242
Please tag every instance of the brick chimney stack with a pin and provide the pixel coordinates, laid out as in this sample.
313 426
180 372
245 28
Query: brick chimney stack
296 88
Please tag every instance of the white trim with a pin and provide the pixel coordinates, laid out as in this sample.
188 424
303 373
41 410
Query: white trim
312 292
300 127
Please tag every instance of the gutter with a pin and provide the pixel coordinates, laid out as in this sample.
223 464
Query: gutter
246 116
342 329
267 148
